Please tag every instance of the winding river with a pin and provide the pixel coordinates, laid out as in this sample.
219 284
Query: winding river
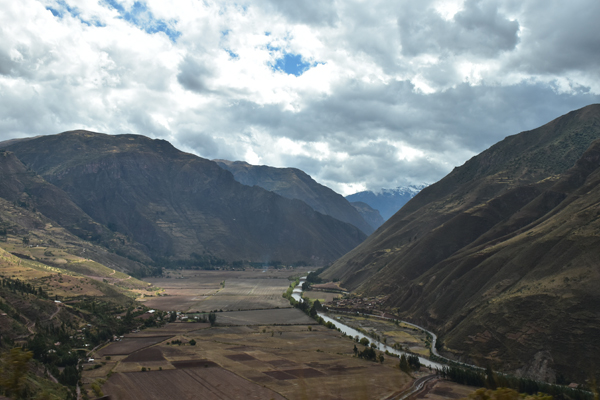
297 295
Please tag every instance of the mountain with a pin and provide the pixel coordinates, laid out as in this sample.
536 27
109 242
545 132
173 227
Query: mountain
293 183
33 208
387 201
372 216
501 256
178 206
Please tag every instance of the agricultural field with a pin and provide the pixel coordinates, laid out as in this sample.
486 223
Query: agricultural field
212 383
130 344
283 316
323 297
171 329
249 353
296 362
203 291
408 337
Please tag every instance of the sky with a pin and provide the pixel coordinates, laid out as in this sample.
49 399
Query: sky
358 94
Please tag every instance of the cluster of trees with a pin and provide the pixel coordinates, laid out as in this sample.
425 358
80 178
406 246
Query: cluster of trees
209 262
313 277
15 364
58 346
16 285
368 353
197 261
210 317
491 380
18 382
410 363
505 394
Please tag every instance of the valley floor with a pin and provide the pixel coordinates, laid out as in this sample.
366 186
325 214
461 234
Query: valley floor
254 350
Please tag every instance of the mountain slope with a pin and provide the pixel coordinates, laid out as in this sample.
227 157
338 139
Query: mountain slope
293 183
388 201
500 256
178 205
31 207
369 214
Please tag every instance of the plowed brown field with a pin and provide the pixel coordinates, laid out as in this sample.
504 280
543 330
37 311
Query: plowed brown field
129 345
194 383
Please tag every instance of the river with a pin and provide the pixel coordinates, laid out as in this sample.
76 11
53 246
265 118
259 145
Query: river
297 295
297 292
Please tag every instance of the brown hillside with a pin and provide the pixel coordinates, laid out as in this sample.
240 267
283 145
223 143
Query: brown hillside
293 183
500 257
179 205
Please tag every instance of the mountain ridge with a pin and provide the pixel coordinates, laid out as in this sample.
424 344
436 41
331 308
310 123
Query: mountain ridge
293 183
461 254
174 204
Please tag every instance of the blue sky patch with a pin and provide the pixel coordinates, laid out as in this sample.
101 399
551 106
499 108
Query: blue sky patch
292 64
62 8
232 54
142 17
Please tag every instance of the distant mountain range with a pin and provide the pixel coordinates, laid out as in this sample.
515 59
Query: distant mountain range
387 201
148 201
501 257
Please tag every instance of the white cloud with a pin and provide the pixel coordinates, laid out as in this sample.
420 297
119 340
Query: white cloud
395 92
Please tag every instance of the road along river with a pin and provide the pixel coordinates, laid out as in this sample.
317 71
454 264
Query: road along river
380 346
297 295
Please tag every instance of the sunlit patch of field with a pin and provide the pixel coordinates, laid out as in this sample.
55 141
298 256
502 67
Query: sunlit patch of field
54 280
402 337
407 336
323 297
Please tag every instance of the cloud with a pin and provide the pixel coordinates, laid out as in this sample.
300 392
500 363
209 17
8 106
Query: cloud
305 12
194 74
560 39
359 95
479 29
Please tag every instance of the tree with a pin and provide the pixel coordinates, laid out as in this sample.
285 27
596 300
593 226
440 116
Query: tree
355 350
212 318
364 341
192 342
15 364
368 354
316 307
414 362
505 394
490 379
404 364
25 240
